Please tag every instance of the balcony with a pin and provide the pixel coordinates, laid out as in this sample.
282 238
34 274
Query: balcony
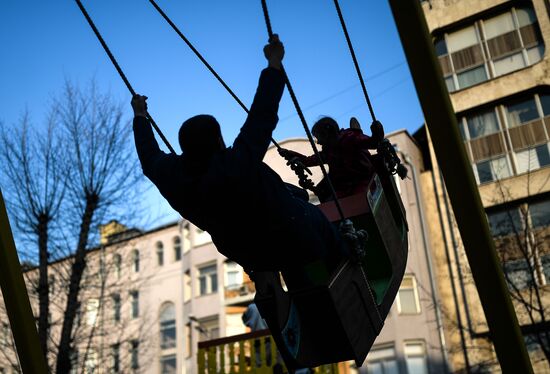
233 354
240 293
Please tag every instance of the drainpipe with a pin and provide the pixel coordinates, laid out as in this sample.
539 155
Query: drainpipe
425 243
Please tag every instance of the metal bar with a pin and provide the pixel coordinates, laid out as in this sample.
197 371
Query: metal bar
461 186
17 302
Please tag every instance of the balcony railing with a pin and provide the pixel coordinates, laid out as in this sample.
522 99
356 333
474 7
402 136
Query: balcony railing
240 290
253 352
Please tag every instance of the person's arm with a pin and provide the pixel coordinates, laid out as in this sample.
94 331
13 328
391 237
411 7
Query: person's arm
255 135
154 162
307 161
371 142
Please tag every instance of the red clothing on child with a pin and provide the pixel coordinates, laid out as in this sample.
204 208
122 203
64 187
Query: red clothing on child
350 168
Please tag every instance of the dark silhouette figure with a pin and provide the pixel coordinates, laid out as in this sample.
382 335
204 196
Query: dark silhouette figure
346 151
254 218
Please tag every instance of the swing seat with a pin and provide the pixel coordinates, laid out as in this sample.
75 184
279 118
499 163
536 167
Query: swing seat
340 310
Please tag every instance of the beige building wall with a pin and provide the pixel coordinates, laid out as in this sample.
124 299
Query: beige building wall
203 313
514 188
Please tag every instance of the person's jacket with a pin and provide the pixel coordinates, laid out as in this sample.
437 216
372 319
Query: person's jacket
240 201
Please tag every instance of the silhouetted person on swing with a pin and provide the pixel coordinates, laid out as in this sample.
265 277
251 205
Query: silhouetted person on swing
254 218
346 151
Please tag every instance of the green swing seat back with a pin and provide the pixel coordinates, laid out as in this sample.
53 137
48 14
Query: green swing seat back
340 310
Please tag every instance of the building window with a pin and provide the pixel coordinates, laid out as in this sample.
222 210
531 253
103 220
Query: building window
160 254
540 214
177 248
116 307
382 360
92 309
504 223
522 112
521 237
135 260
134 296
407 296
73 357
545 262
489 48
188 340
209 328
482 124
90 365
168 326
208 279
532 159
517 274
168 364
101 273
234 275
492 170
117 259
51 284
115 358
509 138
415 356
134 354
187 286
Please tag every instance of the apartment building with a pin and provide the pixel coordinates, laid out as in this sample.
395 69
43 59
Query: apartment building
494 60
151 296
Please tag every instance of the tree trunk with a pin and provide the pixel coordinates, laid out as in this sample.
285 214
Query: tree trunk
64 363
43 284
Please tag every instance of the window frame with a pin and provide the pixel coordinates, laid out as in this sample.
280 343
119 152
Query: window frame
159 250
487 55
424 355
136 260
177 245
510 151
166 325
416 296
210 286
134 304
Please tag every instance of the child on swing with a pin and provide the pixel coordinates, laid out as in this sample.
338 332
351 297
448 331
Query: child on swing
346 151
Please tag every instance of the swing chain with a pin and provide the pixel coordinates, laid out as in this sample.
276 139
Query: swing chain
392 161
300 170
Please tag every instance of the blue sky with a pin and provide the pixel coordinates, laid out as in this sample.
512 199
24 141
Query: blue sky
44 42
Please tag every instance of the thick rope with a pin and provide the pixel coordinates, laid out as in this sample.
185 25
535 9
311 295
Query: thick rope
350 46
203 60
302 118
120 72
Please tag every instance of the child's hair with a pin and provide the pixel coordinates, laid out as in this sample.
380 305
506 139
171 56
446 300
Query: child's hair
325 125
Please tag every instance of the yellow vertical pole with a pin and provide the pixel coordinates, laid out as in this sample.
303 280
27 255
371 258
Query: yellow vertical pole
17 301
232 358
202 362
211 359
221 350
461 186
241 357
